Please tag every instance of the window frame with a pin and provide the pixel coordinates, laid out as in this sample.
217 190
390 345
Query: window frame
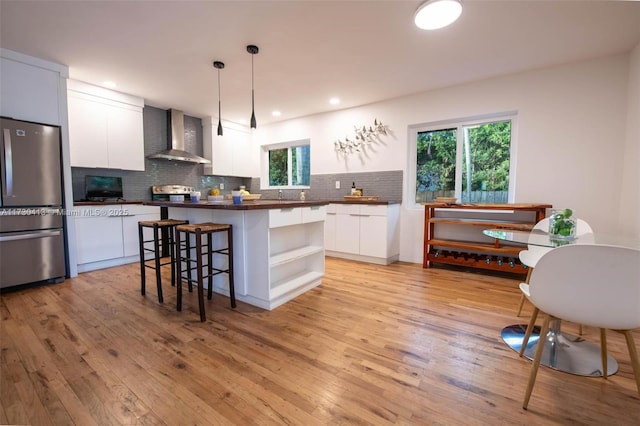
459 124
264 162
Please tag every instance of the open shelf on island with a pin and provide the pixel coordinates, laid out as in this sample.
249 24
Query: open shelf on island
295 254
280 288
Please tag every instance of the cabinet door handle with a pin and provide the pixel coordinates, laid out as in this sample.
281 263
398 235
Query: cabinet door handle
287 210
315 208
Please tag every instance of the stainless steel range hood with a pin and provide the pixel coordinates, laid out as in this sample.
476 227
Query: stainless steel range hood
177 152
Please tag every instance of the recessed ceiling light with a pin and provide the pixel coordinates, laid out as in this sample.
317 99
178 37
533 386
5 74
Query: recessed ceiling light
334 101
276 113
434 14
110 84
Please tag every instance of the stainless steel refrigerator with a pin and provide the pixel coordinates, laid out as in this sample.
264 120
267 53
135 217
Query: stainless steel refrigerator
32 247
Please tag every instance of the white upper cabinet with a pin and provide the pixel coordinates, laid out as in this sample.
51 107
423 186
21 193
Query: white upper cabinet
30 88
105 128
232 154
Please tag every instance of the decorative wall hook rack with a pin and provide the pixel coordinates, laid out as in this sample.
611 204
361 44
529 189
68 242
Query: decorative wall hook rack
363 136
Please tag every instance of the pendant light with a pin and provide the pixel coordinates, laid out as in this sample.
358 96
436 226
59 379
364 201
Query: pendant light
219 66
253 50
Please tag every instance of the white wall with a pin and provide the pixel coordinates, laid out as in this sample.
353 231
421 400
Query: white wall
630 193
572 137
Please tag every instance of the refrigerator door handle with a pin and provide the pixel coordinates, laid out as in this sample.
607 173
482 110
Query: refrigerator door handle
30 235
8 160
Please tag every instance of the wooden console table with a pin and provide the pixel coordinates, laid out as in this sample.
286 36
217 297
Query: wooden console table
494 256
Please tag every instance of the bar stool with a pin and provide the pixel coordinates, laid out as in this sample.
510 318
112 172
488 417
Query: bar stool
199 231
157 225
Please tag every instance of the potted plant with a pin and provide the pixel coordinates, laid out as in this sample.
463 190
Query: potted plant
562 224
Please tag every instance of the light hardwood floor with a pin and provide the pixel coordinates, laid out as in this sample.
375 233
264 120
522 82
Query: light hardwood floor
373 345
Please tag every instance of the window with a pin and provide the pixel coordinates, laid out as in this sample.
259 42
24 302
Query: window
469 159
288 164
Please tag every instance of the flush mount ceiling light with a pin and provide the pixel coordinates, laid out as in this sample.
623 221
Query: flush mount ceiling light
434 14
219 66
253 50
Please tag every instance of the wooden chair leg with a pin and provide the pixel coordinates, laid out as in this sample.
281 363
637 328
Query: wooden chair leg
232 291
527 334
603 351
536 362
633 353
142 267
522 298
178 270
580 329
203 316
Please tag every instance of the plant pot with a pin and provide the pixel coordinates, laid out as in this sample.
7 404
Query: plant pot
562 225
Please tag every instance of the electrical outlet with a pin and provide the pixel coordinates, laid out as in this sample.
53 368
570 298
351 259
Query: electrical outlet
222 186
337 184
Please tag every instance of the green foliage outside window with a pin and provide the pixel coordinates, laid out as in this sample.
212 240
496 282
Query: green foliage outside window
489 162
485 169
436 161
300 166
278 175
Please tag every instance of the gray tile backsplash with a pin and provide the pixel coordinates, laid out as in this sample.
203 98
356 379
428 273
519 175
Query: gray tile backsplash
387 185
137 185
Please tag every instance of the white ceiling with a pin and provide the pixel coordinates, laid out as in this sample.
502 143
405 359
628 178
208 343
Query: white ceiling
310 51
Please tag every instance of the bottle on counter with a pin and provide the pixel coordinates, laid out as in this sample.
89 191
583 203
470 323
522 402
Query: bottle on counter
302 196
353 188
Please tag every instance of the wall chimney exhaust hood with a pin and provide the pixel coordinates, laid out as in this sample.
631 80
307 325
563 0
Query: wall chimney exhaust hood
177 152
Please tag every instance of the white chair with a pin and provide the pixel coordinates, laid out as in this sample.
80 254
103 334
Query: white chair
596 285
533 253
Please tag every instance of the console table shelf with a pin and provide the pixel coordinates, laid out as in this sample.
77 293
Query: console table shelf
493 256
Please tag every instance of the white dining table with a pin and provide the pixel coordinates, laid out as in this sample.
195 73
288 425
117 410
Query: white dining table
562 351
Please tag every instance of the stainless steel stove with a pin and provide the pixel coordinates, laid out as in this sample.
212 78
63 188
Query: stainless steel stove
162 192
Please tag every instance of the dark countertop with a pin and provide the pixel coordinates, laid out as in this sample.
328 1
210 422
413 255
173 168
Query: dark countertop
246 205
105 203
378 202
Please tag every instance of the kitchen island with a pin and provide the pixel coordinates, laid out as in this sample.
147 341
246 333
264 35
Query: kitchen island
278 246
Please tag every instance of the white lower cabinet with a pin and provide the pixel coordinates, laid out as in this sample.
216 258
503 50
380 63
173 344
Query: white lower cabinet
98 238
108 235
347 232
364 232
